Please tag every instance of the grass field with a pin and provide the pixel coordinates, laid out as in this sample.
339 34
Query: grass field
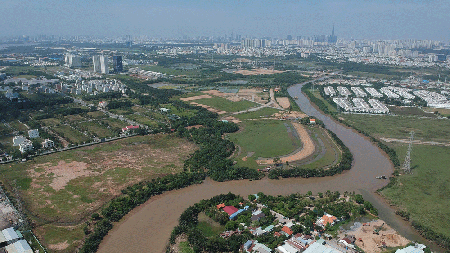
261 113
96 129
225 104
185 247
208 226
425 129
70 134
426 192
316 93
410 111
441 111
266 138
69 186
331 150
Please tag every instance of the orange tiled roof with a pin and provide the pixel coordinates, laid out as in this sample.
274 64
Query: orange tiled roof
287 230
220 206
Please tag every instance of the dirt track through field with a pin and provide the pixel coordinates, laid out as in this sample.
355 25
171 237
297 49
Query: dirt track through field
307 150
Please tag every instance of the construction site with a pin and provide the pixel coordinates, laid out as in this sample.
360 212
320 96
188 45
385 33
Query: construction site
374 236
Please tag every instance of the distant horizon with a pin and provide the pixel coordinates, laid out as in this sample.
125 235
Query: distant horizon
371 20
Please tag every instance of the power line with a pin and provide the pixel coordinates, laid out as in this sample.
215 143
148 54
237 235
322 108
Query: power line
407 164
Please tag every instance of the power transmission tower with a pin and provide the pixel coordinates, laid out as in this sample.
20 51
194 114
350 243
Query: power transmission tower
407 164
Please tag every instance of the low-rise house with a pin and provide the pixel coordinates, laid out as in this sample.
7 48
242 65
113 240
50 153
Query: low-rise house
287 231
255 246
326 219
33 133
235 215
230 210
20 246
417 248
48 143
26 146
19 139
128 128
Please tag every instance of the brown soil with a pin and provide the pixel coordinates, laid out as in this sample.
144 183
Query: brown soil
195 97
284 102
59 246
63 173
307 150
371 243
255 72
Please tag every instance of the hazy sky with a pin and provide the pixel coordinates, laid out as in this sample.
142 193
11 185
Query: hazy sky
380 19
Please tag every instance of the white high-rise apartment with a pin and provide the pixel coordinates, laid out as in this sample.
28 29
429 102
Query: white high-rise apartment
97 65
104 64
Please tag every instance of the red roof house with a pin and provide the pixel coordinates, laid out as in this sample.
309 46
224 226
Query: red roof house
230 209
287 230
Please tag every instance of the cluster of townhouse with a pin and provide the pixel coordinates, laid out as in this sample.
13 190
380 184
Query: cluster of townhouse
92 87
13 241
25 144
433 99
41 85
145 74
296 243
360 106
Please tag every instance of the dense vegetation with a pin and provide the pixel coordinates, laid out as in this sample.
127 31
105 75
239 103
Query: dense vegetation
214 151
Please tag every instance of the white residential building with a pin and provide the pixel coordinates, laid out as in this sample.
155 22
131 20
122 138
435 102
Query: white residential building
97 65
48 143
17 140
26 146
104 64
33 133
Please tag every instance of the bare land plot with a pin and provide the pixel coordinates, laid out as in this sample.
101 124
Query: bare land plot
284 102
67 187
371 242
255 72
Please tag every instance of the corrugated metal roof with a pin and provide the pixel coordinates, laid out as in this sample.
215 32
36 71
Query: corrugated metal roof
10 234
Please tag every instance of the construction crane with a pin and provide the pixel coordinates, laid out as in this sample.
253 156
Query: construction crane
407 163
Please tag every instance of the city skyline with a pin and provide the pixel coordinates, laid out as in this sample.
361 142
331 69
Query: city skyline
358 20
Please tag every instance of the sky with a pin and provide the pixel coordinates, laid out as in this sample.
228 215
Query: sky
353 19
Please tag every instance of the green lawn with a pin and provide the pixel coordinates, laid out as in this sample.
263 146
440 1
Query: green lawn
186 248
426 192
329 158
425 129
96 129
225 104
266 138
208 226
316 93
261 113
70 134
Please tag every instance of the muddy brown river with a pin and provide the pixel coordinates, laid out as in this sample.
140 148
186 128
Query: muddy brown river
148 227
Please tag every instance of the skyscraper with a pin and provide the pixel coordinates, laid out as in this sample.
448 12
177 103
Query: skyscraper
97 65
104 64
117 63
332 38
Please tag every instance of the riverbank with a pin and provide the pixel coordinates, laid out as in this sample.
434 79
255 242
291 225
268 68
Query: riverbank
155 219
